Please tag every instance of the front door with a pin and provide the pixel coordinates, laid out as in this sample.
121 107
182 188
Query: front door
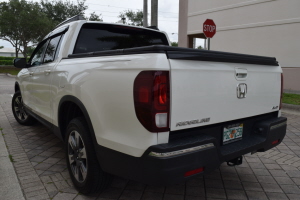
41 80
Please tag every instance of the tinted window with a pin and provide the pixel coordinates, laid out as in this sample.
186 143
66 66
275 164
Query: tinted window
102 37
36 58
51 49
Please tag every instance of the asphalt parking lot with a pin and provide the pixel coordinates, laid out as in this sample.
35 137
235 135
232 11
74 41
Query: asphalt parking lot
39 164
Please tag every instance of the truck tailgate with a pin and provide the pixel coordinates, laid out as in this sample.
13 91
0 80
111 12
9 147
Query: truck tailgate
207 92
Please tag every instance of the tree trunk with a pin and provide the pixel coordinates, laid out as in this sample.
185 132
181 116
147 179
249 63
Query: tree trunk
16 47
25 51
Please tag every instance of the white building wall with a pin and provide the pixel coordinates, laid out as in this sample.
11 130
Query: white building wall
258 27
241 12
7 54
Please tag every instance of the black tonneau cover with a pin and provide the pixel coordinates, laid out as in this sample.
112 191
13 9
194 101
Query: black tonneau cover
186 54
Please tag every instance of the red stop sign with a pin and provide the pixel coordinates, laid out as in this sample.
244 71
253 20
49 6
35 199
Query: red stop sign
209 28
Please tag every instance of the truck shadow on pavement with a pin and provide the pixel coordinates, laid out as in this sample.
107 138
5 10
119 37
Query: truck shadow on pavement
41 168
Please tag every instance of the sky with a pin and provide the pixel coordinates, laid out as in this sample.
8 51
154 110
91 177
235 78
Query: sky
110 9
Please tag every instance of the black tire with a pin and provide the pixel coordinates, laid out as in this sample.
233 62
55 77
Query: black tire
91 178
19 112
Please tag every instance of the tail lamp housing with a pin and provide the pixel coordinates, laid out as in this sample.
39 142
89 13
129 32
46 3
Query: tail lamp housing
152 100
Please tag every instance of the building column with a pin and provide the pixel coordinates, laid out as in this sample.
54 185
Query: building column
183 40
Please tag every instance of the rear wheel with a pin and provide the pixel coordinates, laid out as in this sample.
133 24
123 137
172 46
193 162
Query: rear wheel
84 169
19 112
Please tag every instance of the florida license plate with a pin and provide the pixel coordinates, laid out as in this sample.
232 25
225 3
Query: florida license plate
232 133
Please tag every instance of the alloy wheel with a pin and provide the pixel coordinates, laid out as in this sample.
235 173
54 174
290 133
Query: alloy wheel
19 109
77 156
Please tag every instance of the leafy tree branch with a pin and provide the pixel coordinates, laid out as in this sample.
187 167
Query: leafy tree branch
132 17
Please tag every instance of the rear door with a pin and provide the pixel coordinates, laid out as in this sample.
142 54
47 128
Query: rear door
207 92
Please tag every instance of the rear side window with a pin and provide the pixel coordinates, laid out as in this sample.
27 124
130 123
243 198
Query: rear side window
36 58
51 49
102 37
46 51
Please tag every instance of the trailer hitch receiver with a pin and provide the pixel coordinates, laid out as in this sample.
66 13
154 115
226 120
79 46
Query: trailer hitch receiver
235 161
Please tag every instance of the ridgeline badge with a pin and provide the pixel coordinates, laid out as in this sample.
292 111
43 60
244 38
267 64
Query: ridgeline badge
196 121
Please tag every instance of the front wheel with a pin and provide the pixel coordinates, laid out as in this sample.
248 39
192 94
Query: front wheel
84 169
19 112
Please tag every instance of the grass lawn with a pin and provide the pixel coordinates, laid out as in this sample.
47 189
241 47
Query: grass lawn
10 70
291 98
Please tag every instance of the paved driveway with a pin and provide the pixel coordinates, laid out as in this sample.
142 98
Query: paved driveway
39 162
6 84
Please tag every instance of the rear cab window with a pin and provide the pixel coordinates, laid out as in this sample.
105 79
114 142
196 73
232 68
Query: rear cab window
103 37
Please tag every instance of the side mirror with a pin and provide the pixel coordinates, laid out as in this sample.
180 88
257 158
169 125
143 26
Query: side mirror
20 62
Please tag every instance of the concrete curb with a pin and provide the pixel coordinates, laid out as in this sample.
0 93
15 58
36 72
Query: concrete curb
291 91
292 109
9 185
7 74
13 76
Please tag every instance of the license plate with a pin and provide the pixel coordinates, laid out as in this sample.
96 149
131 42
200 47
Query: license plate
232 133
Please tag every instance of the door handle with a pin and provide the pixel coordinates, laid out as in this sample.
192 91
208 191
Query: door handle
31 73
47 71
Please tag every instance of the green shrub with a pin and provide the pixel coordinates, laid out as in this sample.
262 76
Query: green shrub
291 98
6 58
6 62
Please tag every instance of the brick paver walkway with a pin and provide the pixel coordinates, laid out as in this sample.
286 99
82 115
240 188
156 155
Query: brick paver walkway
39 162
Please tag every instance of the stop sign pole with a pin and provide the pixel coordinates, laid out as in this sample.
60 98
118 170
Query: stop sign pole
209 30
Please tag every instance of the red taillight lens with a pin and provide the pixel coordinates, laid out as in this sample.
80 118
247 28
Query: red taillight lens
152 100
195 171
162 94
275 142
281 91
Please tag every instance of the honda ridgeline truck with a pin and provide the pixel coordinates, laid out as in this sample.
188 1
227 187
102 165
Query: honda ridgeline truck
126 103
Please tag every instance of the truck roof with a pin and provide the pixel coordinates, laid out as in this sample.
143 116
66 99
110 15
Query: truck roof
77 18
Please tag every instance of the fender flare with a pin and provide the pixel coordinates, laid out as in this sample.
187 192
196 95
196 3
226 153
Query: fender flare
77 102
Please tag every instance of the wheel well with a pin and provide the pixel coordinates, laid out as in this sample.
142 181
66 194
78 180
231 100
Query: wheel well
68 111
17 87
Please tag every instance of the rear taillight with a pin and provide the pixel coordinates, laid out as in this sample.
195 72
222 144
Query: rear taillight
152 100
275 142
195 171
281 92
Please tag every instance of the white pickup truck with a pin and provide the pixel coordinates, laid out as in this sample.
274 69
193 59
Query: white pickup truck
127 103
